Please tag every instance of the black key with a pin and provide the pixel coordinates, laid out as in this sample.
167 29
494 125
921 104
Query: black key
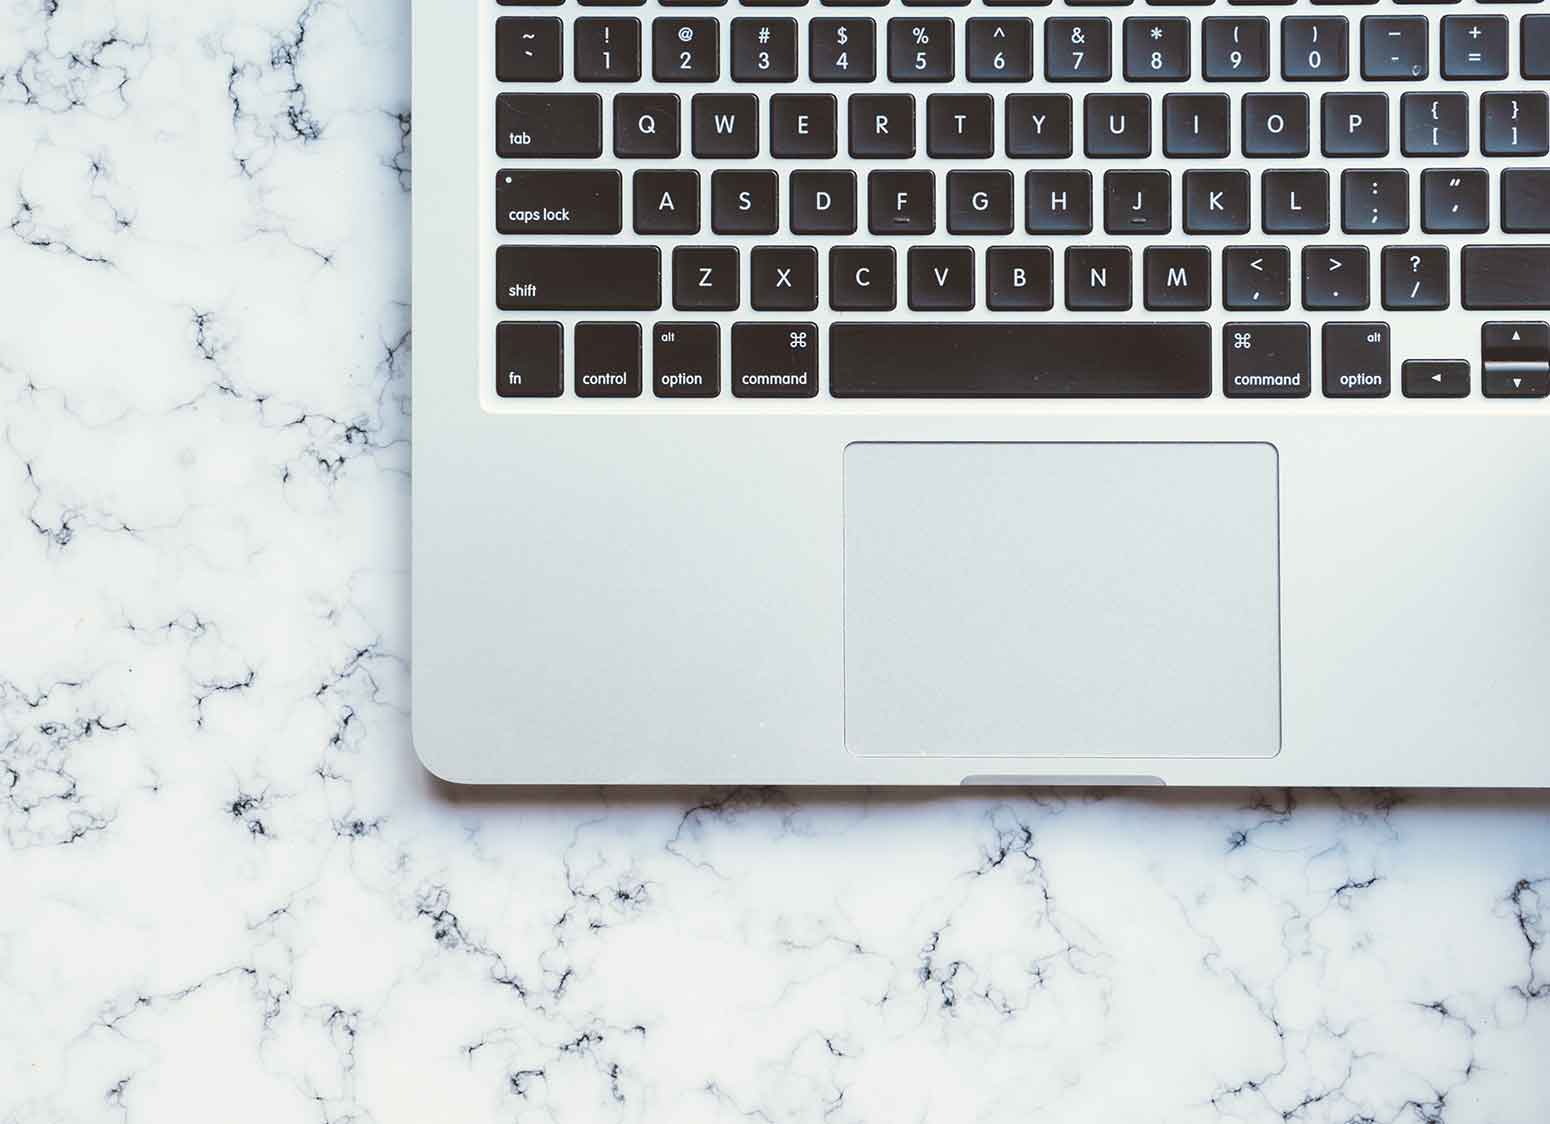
764 50
1415 277
1020 279
607 50
1375 202
1235 49
1534 60
1355 124
1455 201
1315 49
528 49
1117 125
802 126
1515 359
774 360
667 202
1196 125
1434 124
1526 201
901 202
726 126
1334 278
1515 124
1507 277
1059 202
1137 202
979 202
1156 49
1474 47
531 126
605 278
686 360
1356 360
882 126
1038 126
529 201
744 202
1122 359
1216 202
529 360
1394 48
1176 278
1435 378
960 125
1077 50
784 278
1256 277
1295 202
705 279
862 279
1275 124
941 278
608 360
823 202
685 50
841 50
1266 361
646 125
1098 279
1000 50
920 50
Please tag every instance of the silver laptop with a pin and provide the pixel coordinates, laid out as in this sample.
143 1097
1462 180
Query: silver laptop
1024 393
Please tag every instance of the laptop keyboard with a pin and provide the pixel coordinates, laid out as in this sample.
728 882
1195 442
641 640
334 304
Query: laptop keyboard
1018 200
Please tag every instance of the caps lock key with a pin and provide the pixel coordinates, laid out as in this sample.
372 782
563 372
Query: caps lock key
548 201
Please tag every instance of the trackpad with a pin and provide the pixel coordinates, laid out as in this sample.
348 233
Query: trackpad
1054 600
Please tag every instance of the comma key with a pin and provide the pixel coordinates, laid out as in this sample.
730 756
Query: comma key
774 360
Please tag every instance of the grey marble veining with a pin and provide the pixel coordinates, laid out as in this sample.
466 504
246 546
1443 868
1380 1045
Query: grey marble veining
228 891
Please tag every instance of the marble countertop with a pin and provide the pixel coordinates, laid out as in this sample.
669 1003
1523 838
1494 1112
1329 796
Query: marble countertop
228 891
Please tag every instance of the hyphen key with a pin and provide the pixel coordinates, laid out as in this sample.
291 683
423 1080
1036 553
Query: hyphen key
601 278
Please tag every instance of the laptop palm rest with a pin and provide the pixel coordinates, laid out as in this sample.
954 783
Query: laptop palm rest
1113 600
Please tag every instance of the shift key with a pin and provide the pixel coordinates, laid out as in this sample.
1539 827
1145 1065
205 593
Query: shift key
593 278
541 125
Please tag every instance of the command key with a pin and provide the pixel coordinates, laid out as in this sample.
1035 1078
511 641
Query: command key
774 360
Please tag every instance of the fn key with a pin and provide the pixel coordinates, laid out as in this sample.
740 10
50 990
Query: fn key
774 360
529 360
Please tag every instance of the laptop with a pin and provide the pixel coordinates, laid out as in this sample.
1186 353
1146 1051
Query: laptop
971 394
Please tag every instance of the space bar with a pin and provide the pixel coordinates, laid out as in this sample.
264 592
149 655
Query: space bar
1090 359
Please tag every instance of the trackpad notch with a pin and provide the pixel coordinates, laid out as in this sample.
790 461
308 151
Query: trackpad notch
1027 600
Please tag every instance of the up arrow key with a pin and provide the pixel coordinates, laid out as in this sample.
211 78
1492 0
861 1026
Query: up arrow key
1516 359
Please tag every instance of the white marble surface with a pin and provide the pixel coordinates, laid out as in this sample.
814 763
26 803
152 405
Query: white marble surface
228 892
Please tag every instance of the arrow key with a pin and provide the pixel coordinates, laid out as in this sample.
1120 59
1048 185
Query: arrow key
1435 378
1515 358
1257 277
